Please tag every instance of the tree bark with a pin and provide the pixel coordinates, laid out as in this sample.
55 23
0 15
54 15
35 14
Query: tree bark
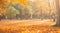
58 13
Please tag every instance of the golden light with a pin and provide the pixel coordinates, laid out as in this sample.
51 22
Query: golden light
31 0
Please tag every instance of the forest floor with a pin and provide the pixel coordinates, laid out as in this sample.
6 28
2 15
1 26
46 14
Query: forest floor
28 26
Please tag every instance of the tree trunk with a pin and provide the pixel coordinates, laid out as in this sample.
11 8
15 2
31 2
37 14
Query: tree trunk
58 13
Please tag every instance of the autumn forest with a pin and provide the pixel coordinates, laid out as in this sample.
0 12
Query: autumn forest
29 16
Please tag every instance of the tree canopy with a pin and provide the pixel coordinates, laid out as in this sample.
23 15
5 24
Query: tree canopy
5 3
21 2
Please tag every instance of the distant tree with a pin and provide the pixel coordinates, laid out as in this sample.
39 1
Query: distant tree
11 12
3 7
5 3
20 8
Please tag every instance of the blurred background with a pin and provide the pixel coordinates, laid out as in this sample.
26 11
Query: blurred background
28 9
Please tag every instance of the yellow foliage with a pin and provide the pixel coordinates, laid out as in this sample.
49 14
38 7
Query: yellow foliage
21 2
3 6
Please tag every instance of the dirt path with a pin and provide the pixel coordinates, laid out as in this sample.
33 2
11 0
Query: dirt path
27 22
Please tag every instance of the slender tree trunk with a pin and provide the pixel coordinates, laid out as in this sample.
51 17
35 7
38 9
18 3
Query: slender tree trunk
21 17
41 13
50 9
58 13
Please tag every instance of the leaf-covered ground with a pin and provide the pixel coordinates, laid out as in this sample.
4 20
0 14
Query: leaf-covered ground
27 26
